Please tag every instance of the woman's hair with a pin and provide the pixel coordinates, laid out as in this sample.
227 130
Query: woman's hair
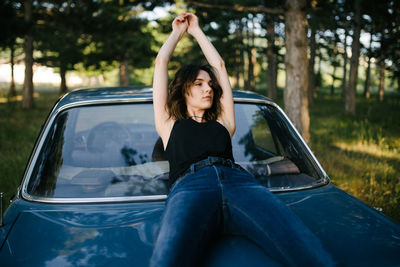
183 80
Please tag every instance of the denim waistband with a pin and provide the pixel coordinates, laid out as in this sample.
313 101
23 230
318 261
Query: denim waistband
210 161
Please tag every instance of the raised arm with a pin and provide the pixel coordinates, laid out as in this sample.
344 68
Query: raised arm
163 121
227 118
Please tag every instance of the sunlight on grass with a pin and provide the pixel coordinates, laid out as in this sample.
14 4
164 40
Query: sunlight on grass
15 98
361 153
370 149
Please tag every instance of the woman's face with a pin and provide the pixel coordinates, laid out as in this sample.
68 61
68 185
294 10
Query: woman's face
200 95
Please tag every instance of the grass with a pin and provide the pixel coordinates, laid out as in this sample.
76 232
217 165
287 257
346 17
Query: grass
361 153
18 132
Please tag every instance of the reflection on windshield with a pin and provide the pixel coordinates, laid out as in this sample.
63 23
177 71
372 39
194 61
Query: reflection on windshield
50 168
114 151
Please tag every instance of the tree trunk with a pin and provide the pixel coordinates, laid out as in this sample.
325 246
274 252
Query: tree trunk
13 91
250 62
271 58
27 100
237 68
250 70
235 83
296 63
124 73
239 57
63 74
398 81
368 70
333 80
367 78
345 59
250 75
382 70
311 71
318 76
350 95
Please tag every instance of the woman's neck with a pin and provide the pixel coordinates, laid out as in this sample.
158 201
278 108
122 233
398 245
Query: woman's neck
197 115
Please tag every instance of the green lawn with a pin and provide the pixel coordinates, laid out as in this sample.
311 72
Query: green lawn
361 154
18 132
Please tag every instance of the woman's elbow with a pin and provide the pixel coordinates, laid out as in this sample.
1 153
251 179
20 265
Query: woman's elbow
160 60
220 64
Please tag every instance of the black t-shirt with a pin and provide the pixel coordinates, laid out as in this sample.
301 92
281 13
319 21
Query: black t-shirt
191 141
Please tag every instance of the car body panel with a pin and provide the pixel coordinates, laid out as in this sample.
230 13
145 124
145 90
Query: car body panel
121 231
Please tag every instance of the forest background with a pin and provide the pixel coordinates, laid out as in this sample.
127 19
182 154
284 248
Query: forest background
333 65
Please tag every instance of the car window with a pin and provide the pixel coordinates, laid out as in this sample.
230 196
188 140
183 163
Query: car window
257 130
114 151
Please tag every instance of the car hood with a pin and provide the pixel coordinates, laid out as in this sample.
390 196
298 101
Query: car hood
83 235
123 234
354 233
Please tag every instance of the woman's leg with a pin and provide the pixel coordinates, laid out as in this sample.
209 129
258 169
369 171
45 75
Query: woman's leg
258 214
190 217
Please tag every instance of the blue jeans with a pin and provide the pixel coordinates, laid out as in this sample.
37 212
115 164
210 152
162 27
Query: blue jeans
217 199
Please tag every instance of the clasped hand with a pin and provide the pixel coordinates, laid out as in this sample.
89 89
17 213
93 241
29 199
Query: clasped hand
186 22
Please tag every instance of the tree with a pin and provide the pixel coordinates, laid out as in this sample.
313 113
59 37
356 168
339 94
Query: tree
272 60
296 63
311 67
350 94
369 54
10 16
117 34
60 35
27 99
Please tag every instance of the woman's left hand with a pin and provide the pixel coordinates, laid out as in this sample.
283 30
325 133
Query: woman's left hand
193 23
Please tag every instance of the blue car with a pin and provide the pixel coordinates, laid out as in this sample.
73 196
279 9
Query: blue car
94 188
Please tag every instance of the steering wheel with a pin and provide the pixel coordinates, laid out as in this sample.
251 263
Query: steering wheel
104 134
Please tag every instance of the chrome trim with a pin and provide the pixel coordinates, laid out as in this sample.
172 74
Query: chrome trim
294 189
96 200
319 167
104 101
1 208
57 110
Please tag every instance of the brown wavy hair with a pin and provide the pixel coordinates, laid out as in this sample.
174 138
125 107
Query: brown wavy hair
179 86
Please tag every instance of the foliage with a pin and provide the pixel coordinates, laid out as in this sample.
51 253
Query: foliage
99 35
116 33
58 34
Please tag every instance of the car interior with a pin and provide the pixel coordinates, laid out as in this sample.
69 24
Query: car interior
115 151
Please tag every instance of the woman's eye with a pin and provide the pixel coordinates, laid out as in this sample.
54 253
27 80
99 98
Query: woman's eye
197 84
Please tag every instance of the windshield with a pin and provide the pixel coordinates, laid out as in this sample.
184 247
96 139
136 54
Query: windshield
114 151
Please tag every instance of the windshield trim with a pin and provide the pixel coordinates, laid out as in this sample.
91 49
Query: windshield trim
57 110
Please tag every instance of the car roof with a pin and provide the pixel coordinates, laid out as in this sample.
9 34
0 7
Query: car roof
131 93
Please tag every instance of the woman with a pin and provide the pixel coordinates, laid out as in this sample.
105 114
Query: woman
209 193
